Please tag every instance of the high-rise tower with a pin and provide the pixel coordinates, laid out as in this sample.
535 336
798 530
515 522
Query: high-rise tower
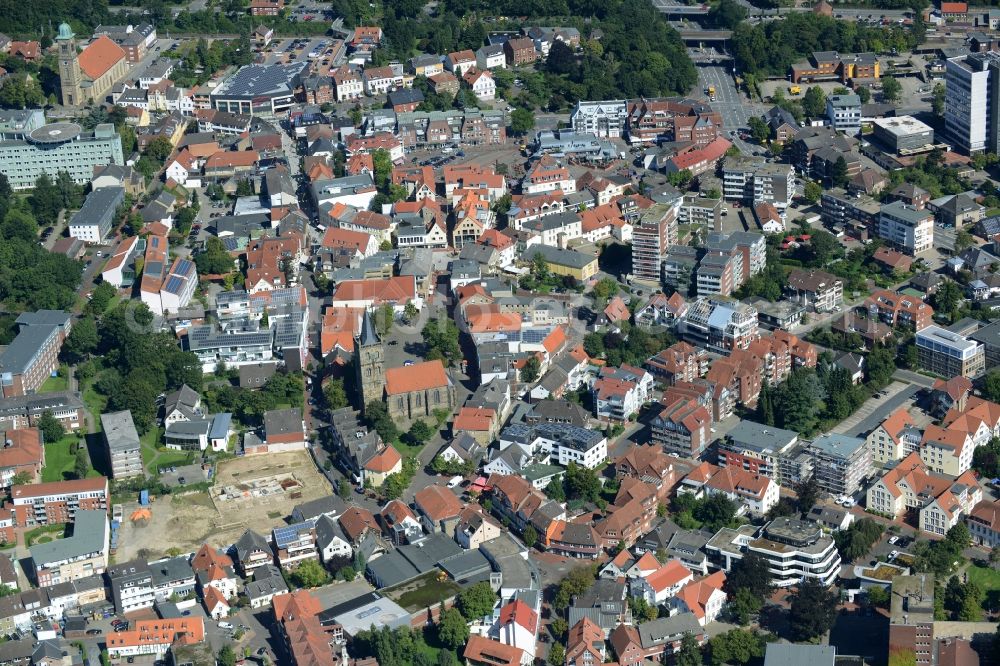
369 362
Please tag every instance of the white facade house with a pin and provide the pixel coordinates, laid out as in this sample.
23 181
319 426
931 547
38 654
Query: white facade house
844 113
908 228
482 84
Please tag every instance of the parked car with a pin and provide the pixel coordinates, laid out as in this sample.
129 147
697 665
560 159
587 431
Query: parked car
94 632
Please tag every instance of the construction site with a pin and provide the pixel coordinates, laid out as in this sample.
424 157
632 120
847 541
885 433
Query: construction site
253 492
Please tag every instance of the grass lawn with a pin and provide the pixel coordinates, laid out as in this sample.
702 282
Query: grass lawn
44 534
60 460
57 383
988 579
154 457
94 401
422 592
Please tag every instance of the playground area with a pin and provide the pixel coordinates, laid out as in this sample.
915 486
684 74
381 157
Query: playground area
255 492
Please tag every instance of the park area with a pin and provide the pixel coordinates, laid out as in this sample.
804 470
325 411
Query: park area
60 459
218 517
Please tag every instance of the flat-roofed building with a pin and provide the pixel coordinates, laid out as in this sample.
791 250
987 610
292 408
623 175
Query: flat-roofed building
911 616
909 229
903 135
57 147
949 354
122 444
92 223
58 501
34 354
840 463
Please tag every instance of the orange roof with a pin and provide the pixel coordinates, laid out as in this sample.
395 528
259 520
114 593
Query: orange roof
697 594
896 422
519 613
481 650
25 448
416 377
101 55
232 158
159 632
670 574
622 558
300 603
708 153
647 562
359 163
203 149
336 237
213 598
954 7
338 329
494 322
494 238
554 340
207 557
617 310
474 419
394 290
437 503
384 461
355 520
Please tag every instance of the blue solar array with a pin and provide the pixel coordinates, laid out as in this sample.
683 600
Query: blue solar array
289 533
184 267
173 284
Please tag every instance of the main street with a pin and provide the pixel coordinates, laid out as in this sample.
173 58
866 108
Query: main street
731 104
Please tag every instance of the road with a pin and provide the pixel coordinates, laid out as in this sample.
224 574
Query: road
729 102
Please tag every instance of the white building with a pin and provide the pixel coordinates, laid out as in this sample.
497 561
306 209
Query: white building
969 81
844 113
605 119
905 227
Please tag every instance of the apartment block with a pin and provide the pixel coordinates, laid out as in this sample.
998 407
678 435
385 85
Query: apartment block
909 229
719 325
58 501
815 289
949 354
652 235
84 553
844 113
899 310
753 180
972 95
122 444
59 147
840 463
33 355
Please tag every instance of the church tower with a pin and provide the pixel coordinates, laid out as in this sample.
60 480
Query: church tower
369 362
69 67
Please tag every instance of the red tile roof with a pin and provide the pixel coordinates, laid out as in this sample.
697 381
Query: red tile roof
385 461
437 503
416 377
520 613
101 55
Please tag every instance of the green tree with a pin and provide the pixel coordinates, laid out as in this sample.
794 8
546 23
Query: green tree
736 646
750 573
420 432
81 465
689 653
557 655
530 536
813 610
937 100
864 94
838 173
522 121
812 191
891 89
531 370
441 338
383 168
744 605
727 14
574 583
159 149
50 427
604 289
759 130
377 417
226 656
334 394
476 601
582 483
81 341
808 491
310 574
814 102
100 299
453 631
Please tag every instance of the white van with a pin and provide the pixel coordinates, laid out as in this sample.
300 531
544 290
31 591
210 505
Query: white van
454 481
225 625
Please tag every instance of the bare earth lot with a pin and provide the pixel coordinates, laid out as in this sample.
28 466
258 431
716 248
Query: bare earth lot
255 492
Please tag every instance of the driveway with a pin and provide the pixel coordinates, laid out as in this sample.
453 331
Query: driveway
875 410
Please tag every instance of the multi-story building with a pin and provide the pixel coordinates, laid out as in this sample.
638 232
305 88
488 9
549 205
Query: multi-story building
34 354
894 438
83 554
911 617
899 310
730 260
984 523
59 147
156 637
58 501
604 119
121 443
92 223
757 448
131 586
794 550
903 135
753 180
683 428
25 411
939 500
905 227
972 93
259 89
294 544
949 354
844 113
815 289
833 66
652 235
840 463
562 442
719 325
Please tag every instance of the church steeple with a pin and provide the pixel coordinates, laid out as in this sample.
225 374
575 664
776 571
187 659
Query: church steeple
369 361
69 67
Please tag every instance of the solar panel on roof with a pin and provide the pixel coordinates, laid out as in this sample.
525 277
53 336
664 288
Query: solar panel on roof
173 284
184 267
